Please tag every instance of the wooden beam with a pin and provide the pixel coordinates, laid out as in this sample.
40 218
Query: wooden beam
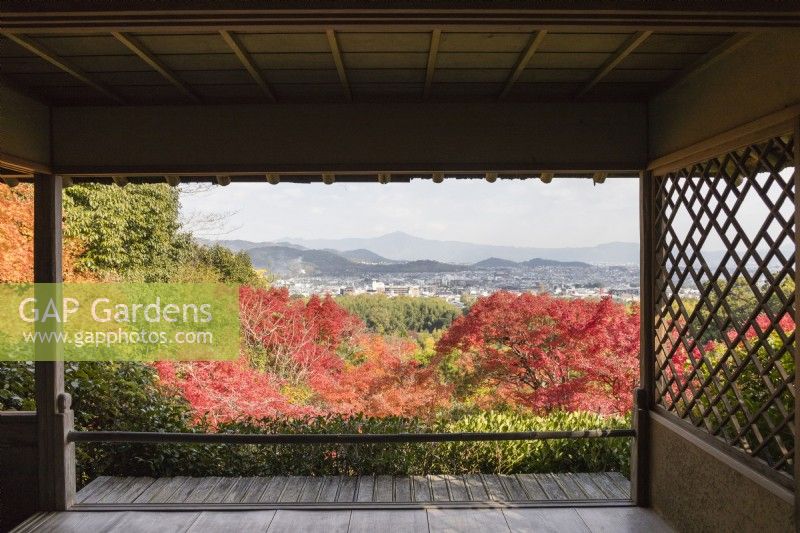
135 46
244 57
337 58
61 63
208 139
709 58
770 125
433 51
522 61
708 16
53 413
622 52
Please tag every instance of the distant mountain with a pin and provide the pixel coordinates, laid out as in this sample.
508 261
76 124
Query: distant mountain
365 256
286 261
537 262
495 262
400 246
238 245
290 261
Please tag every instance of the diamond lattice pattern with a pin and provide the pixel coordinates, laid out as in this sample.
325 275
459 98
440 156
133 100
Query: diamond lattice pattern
725 333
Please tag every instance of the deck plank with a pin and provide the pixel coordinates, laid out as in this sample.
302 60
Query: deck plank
160 489
402 489
239 491
277 489
222 489
366 488
311 489
201 492
457 488
551 488
421 489
254 491
384 489
620 481
75 522
622 519
330 488
115 489
596 486
347 489
439 488
294 486
232 521
87 494
477 490
545 521
286 521
267 489
185 490
133 490
609 487
570 486
495 488
466 520
373 521
532 487
514 488
161 521
592 490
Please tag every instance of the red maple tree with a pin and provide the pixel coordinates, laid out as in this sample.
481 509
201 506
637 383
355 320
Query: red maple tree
388 382
548 353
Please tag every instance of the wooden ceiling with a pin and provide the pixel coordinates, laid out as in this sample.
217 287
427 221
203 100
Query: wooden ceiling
134 67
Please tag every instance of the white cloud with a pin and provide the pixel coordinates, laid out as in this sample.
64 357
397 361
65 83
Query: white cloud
567 212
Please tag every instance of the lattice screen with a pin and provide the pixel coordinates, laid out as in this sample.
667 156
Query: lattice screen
725 336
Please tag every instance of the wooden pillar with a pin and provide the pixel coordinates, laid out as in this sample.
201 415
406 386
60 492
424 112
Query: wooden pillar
796 179
53 413
644 395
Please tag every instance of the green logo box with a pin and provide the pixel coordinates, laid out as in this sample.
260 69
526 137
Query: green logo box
119 322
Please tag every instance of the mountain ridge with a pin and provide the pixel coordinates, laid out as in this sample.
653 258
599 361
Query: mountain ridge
289 261
400 246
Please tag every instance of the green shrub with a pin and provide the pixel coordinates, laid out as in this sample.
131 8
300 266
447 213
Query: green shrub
567 455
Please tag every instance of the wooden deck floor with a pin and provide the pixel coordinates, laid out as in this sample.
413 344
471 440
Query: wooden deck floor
284 492
542 520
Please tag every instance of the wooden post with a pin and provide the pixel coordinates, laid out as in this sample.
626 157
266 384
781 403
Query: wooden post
796 178
53 413
644 395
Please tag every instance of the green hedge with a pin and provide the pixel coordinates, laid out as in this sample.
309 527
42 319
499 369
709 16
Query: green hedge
573 455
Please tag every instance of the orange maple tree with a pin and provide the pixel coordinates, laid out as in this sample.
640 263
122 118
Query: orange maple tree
16 238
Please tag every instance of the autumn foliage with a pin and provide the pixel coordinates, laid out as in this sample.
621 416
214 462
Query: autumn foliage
546 353
311 357
294 363
389 381
16 238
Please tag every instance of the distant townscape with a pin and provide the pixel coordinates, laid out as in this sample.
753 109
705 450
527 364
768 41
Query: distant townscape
398 264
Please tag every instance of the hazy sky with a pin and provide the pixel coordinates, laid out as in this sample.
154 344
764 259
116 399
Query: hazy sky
566 212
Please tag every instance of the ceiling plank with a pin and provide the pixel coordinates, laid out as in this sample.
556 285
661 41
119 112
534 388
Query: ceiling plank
616 58
135 46
522 62
709 58
433 51
337 58
233 42
61 63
